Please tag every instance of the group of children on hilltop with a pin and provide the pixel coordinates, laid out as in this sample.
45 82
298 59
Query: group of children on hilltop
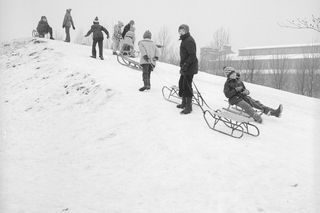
234 88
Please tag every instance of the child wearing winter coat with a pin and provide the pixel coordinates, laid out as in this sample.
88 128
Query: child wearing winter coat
116 37
149 56
44 27
97 29
238 95
128 42
67 23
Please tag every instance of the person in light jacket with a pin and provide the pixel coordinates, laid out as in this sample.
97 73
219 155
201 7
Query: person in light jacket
149 56
67 23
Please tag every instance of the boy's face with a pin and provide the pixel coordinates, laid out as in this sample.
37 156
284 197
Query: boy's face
233 75
182 32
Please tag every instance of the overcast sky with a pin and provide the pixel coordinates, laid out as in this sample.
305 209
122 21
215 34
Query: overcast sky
249 22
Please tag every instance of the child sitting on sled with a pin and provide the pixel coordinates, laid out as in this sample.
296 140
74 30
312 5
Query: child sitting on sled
238 95
149 56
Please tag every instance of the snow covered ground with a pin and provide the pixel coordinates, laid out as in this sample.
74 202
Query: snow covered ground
78 136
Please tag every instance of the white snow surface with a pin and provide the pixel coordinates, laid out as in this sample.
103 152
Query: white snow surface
78 136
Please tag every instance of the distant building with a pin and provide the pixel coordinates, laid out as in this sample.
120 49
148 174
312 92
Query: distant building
289 57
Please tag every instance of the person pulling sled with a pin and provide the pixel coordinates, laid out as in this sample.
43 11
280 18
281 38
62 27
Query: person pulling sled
188 68
149 56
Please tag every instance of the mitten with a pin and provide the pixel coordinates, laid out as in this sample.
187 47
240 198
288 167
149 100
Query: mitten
245 92
145 57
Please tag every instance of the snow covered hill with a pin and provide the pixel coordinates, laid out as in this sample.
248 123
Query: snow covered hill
78 136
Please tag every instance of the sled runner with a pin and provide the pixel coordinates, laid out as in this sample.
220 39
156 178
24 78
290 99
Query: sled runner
238 110
229 123
124 60
171 94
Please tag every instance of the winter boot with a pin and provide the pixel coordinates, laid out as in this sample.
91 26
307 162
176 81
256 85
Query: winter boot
183 104
93 56
114 53
277 112
257 118
51 38
101 57
145 87
188 107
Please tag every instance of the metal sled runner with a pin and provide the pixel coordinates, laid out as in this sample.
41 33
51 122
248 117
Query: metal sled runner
231 124
124 60
171 94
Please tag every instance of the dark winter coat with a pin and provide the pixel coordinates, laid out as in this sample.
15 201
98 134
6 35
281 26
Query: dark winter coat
125 30
188 55
43 27
97 29
230 91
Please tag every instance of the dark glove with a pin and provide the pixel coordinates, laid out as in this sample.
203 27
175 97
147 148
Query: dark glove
245 92
63 26
183 68
239 89
156 58
145 57
73 27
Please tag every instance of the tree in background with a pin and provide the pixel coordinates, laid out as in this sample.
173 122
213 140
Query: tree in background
303 23
163 39
221 37
279 66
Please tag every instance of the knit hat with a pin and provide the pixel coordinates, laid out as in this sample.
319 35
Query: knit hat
69 10
147 34
184 27
228 71
131 22
96 20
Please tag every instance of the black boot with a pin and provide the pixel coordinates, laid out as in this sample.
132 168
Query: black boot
257 118
144 86
188 108
101 57
277 112
183 104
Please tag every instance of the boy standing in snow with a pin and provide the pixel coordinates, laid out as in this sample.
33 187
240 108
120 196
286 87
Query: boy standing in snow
97 29
116 37
44 28
188 68
67 23
149 56
238 95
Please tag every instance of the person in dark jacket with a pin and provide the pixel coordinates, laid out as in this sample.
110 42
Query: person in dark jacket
238 95
188 68
127 28
97 29
44 28
67 23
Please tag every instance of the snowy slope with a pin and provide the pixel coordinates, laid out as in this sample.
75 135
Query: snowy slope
78 136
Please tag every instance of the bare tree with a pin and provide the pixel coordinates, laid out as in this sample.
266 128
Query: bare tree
303 23
221 38
251 67
279 65
307 74
173 55
163 40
